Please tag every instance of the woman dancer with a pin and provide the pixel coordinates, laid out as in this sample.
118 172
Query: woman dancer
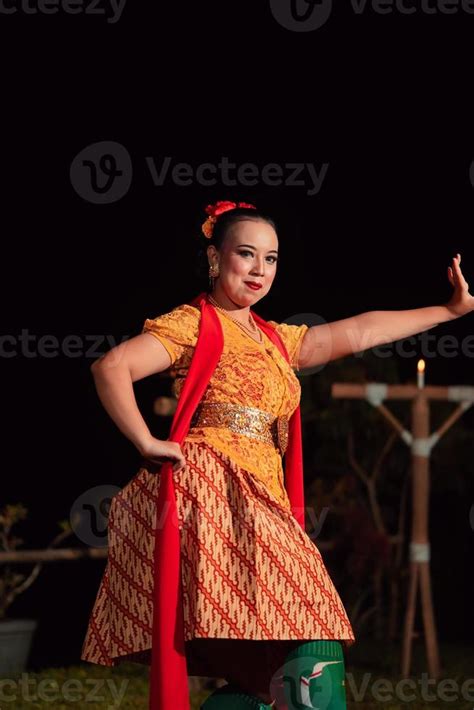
210 571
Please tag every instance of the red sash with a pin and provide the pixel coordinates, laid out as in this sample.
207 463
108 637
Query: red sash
168 674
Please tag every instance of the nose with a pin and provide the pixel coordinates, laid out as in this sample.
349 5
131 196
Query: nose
259 267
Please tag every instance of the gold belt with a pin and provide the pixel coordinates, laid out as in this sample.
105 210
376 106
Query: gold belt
250 421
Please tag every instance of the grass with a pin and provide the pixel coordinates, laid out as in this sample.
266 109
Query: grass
377 668
126 686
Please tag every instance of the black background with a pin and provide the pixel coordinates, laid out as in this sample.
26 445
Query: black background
384 99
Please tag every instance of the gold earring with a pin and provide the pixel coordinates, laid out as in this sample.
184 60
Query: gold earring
213 273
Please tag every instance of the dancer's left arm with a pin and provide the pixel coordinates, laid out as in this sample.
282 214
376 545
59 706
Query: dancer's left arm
330 341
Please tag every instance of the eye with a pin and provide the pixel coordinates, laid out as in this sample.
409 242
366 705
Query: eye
245 251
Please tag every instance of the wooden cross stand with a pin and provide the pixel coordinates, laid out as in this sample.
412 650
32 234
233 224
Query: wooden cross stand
421 443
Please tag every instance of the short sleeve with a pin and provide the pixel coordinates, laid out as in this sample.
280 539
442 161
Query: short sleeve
177 330
292 336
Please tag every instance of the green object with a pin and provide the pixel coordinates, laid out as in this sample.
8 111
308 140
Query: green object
229 697
314 676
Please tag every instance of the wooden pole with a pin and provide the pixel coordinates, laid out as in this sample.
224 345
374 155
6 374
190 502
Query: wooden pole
421 443
419 546
48 555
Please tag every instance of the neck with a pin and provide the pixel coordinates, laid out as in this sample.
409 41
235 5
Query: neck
228 304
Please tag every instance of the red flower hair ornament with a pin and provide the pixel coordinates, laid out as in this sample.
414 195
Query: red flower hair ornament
219 208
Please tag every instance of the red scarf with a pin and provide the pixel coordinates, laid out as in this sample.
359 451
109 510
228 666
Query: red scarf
169 678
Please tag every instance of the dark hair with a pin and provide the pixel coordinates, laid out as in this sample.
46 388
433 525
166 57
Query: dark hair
221 228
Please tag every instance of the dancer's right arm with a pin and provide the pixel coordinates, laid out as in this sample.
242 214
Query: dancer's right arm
114 374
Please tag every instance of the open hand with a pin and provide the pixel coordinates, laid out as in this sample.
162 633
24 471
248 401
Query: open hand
461 302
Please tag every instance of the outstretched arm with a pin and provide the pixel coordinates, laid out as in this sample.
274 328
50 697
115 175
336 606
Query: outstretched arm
330 341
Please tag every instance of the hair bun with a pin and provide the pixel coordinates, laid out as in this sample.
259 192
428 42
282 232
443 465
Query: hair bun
218 208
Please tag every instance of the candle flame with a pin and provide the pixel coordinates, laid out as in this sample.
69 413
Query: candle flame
421 366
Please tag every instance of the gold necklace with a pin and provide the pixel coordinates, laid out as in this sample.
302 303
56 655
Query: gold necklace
250 331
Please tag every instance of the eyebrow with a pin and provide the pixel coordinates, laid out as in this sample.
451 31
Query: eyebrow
252 247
